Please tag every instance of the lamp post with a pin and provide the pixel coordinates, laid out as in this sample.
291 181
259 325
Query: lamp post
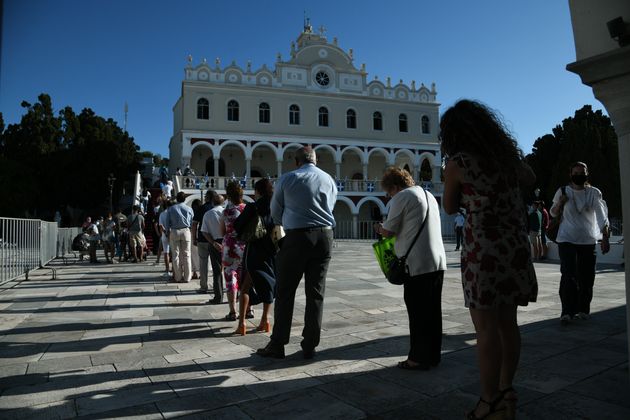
110 181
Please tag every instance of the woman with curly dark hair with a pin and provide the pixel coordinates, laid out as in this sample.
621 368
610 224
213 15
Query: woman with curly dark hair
485 173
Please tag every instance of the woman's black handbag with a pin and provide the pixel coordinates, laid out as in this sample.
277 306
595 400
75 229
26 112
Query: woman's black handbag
253 230
398 271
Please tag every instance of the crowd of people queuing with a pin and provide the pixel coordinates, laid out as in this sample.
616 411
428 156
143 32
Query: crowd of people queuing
253 262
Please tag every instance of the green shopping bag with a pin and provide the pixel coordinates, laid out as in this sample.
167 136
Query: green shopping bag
384 251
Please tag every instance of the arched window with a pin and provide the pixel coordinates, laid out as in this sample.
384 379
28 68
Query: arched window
203 109
402 123
351 118
264 113
377 121
294 115
232 109
425 125
426 173
323 117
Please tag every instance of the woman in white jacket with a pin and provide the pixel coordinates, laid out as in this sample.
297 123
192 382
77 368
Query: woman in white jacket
426 263
584 222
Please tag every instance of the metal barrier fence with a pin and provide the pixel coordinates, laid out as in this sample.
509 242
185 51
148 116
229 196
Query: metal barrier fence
48 242
616 226
64 240
361 229
19 247
27 244
364 229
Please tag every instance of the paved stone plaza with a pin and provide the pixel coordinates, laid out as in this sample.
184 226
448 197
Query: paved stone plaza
118 341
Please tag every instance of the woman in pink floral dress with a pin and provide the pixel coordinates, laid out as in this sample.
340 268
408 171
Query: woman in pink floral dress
233 249
485 174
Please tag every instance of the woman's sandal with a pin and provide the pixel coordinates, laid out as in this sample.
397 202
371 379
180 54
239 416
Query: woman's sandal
240 330
264 326
510 397
231 316
494 412
249 314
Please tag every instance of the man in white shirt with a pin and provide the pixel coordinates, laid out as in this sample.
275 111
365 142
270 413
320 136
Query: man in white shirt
94 237
213 229
584 221
167 189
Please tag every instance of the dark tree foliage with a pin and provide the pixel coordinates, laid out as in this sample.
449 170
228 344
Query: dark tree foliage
48 161
588 137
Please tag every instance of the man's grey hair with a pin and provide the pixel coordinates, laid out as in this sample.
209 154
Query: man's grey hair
305 154
214 197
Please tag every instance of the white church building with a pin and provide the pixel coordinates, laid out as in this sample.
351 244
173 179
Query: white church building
238 123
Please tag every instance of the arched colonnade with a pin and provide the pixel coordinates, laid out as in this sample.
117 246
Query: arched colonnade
262 158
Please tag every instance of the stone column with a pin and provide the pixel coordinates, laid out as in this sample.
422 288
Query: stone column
436 174
216 166
279 168
609 76
338 170
365 171
248 168
355 226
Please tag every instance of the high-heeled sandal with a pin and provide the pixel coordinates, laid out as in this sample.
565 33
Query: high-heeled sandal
494 411
510 397
240 330
249 314
264 327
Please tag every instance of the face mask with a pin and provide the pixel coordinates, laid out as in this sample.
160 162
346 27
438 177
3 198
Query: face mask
578 179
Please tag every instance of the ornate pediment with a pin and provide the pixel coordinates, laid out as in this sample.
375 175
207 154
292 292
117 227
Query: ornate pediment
314 64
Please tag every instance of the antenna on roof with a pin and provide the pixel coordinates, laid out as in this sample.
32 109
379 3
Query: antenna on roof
126 111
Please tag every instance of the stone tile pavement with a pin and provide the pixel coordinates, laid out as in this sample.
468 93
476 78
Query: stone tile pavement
119 341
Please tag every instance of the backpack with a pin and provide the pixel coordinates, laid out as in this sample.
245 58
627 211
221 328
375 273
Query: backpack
79 243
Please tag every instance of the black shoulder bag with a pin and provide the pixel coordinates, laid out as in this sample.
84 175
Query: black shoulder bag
398 271
253 228
554 225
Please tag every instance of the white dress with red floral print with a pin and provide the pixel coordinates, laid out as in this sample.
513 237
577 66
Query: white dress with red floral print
233 249
496 262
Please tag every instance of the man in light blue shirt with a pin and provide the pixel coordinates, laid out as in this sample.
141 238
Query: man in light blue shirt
177 226
302 203
304 198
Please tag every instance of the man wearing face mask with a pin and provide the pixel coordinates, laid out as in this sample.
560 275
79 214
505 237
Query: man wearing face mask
584 222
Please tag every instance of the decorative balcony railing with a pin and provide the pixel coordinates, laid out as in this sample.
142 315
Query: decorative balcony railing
344 186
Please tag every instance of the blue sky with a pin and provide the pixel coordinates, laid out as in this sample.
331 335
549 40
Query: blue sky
99 54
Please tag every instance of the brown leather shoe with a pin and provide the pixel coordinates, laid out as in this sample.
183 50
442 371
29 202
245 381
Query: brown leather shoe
271 350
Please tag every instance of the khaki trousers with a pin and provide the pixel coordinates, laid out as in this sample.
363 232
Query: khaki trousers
180 241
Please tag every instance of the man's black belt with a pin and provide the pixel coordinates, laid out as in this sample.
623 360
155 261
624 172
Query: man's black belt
310 229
